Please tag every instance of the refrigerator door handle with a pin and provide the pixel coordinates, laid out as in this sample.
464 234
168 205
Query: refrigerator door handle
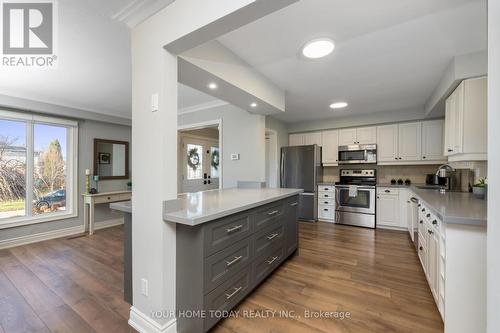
282 168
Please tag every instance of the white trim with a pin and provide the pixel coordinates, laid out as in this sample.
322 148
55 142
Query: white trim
59 233
273 136
37 118
210 123
388 227
427 162
201 106
145 324
40 237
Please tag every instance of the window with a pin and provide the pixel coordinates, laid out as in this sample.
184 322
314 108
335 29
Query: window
38 158
194 161
215 162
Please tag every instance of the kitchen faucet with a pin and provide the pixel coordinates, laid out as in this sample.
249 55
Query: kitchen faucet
441 171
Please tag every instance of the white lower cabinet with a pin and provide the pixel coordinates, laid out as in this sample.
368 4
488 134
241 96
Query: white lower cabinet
326 203
390 211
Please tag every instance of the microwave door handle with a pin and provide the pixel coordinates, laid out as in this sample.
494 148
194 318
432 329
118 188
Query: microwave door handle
366 155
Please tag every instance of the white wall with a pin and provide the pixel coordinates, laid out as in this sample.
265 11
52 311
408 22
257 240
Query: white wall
281 130
493 264
242 133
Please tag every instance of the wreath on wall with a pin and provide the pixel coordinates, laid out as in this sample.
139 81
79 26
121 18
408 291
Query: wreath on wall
193 158
215 159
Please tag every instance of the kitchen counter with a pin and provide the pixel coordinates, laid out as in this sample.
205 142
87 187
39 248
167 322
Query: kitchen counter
200 207
454 207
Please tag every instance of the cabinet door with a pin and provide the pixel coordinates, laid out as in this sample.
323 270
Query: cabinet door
448 128
347 137
432 261
296 140
330 150
387 143
388 210
404 204
291 224
366 135
432 140
410 142
313 139
458 119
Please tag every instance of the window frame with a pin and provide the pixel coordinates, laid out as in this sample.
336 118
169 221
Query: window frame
71 167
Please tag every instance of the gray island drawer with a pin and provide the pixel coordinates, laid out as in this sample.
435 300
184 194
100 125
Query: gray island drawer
219 262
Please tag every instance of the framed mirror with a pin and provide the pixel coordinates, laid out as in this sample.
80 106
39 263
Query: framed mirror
111 159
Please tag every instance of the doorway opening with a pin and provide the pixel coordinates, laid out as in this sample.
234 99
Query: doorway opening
199 157
272 155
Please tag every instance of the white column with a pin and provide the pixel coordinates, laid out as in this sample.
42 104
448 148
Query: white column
493 247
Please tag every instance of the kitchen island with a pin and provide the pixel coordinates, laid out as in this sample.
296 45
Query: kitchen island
227 242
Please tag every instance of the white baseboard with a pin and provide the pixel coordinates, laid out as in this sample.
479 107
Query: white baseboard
59 233
391 228
145 324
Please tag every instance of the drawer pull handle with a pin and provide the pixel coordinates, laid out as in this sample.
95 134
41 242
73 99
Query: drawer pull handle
326 195
273 259
326 189
325 202
435 222
325 209
272 236
238 227
234 261
420 248
428 215
109 198
294 204
430 232
387 191
421 221
273 212
236 290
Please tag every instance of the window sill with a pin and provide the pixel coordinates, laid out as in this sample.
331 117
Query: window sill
22 221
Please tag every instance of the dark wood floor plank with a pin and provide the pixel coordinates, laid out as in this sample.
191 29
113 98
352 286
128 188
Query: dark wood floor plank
64 320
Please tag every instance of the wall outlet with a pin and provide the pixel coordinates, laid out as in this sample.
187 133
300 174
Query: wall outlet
155 102
235 157
144 287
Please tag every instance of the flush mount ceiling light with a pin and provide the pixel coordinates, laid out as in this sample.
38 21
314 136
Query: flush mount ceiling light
338 105
254 105
318 48
212 86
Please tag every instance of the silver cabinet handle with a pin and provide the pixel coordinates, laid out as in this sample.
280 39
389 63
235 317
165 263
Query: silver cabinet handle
294 204
430 232
235 260
238 227
273 212
273 259
272 236
236 290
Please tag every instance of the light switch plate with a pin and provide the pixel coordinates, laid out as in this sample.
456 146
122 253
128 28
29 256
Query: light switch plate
235 157
155 102
144 287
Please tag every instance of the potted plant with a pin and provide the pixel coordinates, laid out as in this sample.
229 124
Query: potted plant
129 185
479 189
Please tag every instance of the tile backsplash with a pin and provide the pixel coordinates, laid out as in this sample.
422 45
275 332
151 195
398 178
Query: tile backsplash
416 173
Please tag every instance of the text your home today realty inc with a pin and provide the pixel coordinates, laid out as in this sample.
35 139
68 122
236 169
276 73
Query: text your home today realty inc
29 33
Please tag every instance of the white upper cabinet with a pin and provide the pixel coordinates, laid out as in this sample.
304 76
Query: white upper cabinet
347 136
432 140
466 122
330 150
360 135
314 138
387 143
366 135
410 141
296 140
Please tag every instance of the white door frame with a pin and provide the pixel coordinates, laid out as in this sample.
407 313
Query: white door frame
273 144
205 124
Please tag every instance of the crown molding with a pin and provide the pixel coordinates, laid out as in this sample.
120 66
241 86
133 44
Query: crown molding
202 106
137 11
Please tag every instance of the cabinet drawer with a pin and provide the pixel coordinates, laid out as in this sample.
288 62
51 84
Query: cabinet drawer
327 202
326 188
268 237
326 212
266 263
227 295
422 252
125 196
223 233
326 195
107 198
268 215
387 190
222 265
422 230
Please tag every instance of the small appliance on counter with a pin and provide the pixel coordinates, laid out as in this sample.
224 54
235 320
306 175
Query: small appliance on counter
432 179
453 180
355 198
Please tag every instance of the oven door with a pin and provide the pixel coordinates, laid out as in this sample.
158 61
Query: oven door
363 202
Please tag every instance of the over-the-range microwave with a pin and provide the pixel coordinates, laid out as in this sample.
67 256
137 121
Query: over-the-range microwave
358 154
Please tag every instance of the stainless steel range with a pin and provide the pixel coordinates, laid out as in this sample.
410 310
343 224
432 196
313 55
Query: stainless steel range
355 196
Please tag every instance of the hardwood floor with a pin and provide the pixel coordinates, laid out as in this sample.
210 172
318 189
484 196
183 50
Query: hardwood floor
65 285
75 285
374 275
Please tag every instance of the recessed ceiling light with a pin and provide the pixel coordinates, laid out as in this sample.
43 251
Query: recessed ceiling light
318 48
254 105
338 105
212 85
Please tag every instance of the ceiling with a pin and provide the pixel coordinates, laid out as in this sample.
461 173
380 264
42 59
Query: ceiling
389 55
94 61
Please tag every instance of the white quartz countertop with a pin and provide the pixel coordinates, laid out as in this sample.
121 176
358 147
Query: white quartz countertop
200 207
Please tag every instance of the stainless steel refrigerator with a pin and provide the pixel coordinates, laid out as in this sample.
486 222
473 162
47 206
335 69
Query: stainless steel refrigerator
301 168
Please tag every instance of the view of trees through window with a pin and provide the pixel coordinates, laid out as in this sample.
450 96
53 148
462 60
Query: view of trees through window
48 163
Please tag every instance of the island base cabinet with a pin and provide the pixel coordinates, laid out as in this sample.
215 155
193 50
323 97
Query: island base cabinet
220 262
